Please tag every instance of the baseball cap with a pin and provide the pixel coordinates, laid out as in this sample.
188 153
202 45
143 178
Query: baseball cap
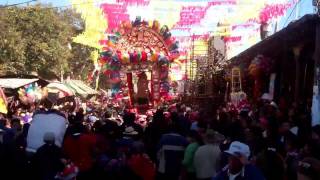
237 148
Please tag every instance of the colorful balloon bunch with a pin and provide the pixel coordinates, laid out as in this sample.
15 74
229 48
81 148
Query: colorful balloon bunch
260 65
132 48
32 93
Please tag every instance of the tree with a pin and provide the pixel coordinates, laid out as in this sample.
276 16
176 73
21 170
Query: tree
80 64
11 46
38 38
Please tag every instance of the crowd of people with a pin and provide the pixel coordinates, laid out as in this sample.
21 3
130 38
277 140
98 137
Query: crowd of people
266 141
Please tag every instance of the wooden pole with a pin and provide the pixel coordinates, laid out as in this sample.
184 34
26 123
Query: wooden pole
297 51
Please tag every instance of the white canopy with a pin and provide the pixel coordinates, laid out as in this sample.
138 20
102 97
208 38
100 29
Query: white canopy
13 83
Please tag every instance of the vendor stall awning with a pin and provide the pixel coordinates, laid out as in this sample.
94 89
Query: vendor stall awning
56 87
80 88
13 83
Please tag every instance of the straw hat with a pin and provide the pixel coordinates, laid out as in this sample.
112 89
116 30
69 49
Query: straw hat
130 131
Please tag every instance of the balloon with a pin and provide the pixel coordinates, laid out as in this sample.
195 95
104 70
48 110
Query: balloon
149 56
107 72
127 25
174 55
131 55
174 46
125 58
29 90
115 80
24 100
144 56
139 56
135 58
164 30
169 42
163 60
166 35
137 21
21 92
119 55
154 57
102 60
156 26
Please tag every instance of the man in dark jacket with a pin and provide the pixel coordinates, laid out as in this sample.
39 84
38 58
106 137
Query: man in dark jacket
238 167
47 160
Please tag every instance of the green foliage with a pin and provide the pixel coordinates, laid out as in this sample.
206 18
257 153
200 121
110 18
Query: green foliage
37 39
80 64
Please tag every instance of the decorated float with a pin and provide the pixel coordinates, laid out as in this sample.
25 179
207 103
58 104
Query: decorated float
137 60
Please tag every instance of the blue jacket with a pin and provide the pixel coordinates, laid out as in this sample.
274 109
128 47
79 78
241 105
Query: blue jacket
171 153
250 173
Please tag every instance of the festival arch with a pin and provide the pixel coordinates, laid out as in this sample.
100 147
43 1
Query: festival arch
142 52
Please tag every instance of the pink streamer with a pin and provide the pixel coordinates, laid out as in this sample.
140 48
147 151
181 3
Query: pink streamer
115 14
273 11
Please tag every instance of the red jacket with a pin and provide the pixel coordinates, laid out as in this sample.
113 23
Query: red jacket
80 150
142 166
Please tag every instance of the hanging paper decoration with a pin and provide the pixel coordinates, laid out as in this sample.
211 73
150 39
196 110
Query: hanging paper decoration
273 11
185 18
95 23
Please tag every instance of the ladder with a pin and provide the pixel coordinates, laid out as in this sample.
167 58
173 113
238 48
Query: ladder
236 80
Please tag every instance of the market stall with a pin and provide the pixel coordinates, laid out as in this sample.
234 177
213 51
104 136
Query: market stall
79 88
27 88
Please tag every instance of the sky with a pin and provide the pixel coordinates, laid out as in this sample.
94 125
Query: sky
53 2
304 7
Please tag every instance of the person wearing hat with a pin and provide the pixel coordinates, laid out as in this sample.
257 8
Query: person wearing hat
47 160
238 167
206 158
130 135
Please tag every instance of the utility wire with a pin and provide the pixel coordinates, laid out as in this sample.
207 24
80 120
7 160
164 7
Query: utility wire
66 6
17 4
295 6
54 7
